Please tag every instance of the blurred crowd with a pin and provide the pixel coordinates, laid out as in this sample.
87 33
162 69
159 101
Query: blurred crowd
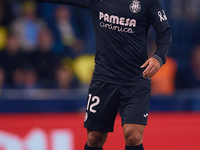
52 46
42 45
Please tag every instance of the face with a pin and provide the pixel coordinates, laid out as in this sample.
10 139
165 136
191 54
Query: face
45 40
62 13
63 77
12 44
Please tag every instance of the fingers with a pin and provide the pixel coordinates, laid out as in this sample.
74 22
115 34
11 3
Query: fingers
150 71
147 72
153 66
145 64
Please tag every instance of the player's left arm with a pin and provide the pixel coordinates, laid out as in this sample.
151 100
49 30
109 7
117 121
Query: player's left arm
160 23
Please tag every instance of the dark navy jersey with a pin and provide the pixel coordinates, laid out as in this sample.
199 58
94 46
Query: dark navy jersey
121 28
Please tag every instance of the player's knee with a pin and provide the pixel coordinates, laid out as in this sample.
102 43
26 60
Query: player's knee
133 138
96 139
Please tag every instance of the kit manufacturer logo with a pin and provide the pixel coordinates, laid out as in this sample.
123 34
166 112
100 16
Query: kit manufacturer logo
145 115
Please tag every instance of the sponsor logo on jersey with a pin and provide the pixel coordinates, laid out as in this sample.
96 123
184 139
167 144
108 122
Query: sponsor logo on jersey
135 6
117 23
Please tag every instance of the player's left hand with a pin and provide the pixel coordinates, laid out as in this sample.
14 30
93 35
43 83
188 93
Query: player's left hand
153 65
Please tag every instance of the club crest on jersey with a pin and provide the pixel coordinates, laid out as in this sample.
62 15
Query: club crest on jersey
135 6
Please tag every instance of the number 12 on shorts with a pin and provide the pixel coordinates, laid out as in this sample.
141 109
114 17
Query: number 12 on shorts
94 99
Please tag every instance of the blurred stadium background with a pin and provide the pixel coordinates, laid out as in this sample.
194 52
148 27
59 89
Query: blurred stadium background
46 63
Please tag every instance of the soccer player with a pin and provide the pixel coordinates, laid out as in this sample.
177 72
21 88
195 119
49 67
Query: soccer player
121 79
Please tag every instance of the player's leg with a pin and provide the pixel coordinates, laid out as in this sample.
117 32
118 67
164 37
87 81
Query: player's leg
133 134
95 140
101 111
134 109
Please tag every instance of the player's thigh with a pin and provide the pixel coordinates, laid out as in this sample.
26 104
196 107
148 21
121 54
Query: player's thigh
102 106
134 104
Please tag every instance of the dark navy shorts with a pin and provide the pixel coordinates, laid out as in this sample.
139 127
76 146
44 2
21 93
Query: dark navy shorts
105 100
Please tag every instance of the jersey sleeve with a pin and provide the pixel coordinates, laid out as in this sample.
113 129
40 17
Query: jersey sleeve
159 21
80 3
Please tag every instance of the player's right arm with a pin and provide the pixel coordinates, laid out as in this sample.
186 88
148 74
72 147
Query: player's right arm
80 3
